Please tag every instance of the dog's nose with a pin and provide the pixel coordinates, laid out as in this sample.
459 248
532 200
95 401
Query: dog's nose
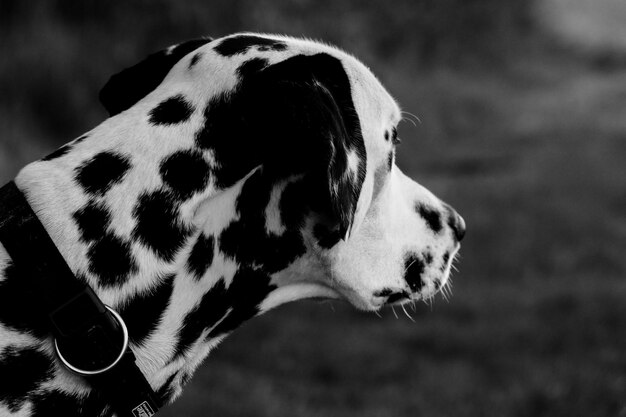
457 224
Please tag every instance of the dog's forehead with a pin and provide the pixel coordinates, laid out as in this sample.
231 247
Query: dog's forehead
219 65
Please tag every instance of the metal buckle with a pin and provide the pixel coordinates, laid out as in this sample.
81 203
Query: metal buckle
108 367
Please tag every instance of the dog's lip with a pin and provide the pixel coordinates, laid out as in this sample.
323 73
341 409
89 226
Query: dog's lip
398 297
389 296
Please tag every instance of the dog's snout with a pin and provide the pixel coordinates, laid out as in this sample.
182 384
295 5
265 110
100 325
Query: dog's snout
457 224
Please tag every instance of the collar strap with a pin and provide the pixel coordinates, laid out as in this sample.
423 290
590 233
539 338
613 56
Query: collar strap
90 338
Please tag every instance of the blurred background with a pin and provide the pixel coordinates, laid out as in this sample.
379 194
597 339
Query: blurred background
523 130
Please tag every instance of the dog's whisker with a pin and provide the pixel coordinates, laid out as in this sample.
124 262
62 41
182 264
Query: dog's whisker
409 120
447 288
444 295
394 311
407 314
412 115
409 265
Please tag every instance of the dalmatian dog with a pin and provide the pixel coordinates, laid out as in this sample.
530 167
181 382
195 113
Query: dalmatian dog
234 175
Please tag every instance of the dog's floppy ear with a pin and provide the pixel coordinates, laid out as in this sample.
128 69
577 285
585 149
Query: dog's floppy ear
126 88
317 124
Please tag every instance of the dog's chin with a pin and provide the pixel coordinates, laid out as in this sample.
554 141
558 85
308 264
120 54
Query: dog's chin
431 288
298 291
366 302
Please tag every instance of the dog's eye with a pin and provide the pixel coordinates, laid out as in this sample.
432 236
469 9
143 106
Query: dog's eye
394 136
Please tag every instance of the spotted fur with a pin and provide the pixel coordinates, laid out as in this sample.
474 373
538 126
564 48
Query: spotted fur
171 111
234 175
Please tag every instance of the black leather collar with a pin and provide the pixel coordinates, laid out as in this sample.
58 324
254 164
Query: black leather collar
91 339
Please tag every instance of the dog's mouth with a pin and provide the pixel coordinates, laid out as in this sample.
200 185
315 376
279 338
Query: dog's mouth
432 282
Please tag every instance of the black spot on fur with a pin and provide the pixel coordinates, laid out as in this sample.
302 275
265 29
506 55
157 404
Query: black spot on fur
438 283
414 269
93 221
167 390
247 290
63 149
390 161
299 198
431 216
225 133
201 256
248 244
186 172
171 111
158 226
57 403
212 307
428 258
23 370
308 97
386 135
326 238
126 88
270 108
246 239
144 312
194 60
20 308
101 172
446 258
303 197
111 260
242 43
252 66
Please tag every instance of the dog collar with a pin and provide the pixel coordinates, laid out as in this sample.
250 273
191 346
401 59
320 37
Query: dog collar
90 338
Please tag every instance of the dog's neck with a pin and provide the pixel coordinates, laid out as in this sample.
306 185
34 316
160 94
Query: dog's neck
178 304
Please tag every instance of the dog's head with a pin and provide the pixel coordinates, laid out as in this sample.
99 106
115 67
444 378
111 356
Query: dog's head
302 138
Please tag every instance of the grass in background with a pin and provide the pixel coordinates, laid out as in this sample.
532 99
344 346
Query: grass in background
525 138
